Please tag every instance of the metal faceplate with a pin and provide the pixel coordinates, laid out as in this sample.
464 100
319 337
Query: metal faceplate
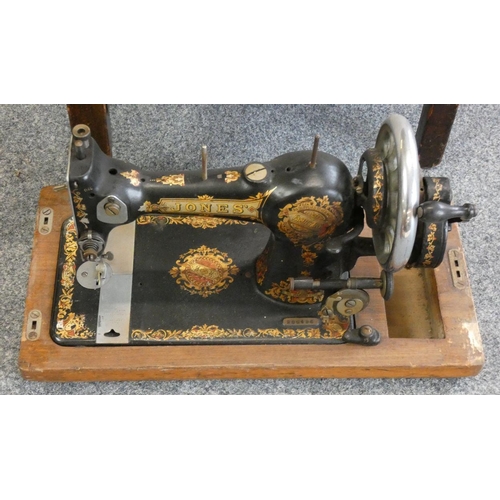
115 298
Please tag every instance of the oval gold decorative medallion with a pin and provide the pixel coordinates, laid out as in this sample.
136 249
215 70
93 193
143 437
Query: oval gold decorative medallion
204 271
310 219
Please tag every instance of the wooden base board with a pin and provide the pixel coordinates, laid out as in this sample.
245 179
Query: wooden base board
429 329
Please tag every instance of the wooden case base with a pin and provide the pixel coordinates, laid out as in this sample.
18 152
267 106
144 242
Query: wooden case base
429 329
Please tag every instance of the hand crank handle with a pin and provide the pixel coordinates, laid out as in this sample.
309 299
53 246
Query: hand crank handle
437 211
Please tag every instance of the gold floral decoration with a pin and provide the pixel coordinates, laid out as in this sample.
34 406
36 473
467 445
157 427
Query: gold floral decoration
213 332
431 238
132 176
70 325
378 191
283 292
204 271
438 189
309 219
81 209
171 180
308 257
231 176
198 222
332 329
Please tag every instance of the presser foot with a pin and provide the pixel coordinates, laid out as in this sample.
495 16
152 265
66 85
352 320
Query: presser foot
365 335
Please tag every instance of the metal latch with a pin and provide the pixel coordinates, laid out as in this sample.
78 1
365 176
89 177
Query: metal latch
45 220
34 325
457 266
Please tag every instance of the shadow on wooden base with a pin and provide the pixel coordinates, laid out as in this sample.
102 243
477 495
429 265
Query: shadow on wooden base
429 329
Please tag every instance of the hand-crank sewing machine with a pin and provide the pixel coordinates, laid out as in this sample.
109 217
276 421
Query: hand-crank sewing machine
260 254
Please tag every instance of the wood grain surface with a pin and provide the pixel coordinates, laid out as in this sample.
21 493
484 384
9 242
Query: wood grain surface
433 132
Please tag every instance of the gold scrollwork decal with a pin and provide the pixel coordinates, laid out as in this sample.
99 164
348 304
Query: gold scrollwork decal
308 257
212 332
81 209
171 180
333 328
378 191
70 325
283 292
232 176
431 238
204 271
132 176
195 221
309 219
438 187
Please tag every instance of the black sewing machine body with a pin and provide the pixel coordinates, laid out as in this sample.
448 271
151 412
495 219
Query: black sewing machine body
255 254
